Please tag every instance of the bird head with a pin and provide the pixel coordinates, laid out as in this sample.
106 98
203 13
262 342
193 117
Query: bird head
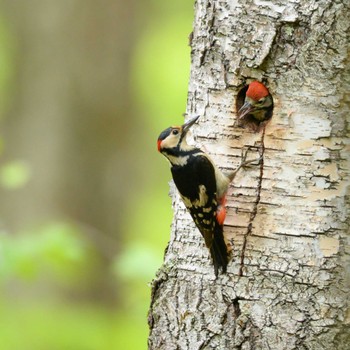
174 137
257 103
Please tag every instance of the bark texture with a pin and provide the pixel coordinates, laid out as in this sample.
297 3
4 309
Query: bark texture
287 285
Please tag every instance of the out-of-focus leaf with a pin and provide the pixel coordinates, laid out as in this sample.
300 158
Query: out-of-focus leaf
14 175
137 261
55 248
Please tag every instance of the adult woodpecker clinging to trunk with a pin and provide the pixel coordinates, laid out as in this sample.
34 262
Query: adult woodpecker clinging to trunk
202 187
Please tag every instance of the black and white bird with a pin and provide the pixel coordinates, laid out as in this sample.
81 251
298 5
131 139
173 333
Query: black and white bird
202 187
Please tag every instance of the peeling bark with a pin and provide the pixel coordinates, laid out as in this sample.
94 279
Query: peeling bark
288 280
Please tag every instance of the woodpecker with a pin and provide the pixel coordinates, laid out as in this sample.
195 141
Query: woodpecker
258 103
202 187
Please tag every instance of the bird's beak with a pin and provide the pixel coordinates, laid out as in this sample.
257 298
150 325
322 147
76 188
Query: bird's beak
245 110
187 125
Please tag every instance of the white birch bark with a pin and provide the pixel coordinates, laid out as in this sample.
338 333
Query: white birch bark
287 285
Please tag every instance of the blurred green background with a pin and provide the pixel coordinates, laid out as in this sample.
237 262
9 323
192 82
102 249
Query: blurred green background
85 89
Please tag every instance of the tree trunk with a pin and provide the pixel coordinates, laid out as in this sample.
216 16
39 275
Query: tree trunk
287 285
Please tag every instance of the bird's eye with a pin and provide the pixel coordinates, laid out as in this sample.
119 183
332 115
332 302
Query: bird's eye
175 132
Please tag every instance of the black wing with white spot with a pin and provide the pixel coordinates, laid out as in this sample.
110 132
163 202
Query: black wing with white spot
197 186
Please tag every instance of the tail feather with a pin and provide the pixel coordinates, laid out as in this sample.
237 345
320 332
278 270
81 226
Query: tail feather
218 250
214 240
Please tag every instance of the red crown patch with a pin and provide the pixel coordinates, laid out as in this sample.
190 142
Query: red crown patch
257 90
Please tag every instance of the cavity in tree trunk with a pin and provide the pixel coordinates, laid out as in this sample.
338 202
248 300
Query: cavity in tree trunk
287 285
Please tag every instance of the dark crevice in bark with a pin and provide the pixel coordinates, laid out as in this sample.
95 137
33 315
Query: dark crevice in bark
236 307
211 42
257 201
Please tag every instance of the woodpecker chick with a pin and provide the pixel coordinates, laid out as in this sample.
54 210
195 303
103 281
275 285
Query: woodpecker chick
258 103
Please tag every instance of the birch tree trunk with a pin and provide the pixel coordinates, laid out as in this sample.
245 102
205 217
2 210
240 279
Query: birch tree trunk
287 285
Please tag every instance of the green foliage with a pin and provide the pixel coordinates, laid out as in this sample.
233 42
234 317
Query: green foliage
56 247
137 263
71 326
58 254
14 175
147 236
